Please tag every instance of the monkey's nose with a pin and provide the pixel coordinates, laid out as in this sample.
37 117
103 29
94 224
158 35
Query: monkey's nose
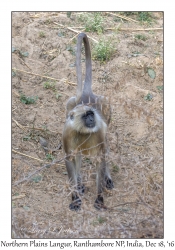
91 118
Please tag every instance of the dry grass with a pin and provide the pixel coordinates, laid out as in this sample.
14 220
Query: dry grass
41 193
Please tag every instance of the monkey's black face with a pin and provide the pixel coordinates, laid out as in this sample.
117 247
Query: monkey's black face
89 119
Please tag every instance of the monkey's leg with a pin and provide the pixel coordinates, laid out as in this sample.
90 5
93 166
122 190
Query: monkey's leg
72 174
103 180
99 203
80 186
108 181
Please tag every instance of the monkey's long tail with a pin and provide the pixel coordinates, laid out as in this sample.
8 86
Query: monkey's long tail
88 75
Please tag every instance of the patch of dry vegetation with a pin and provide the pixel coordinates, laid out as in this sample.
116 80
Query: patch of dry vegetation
40 188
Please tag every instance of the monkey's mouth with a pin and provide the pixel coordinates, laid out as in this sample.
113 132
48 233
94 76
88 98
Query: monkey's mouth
90 125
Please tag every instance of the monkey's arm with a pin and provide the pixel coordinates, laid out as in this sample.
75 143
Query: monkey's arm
104 107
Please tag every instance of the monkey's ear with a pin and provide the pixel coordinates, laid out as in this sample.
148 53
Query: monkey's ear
71 104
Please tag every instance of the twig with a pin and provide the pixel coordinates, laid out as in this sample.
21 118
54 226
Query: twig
117 28
25 63
34 128
139 203
77 27
35 16
19 125
76 31
126 18
68 82
45 166
128 29
76 35
126 203
22 61
63 93
147 205
18 197
16 94
16 152
40 75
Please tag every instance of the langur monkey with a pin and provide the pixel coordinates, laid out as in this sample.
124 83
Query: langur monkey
87 117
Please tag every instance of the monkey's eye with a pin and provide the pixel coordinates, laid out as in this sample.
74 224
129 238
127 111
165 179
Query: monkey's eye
71 116
88 113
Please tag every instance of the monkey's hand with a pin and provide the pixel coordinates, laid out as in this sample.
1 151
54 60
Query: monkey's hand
109 183
76 203
99 203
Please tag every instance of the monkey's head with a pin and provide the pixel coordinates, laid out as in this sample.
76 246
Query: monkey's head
85 119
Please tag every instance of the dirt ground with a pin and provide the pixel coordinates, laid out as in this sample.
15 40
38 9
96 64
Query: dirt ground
43 62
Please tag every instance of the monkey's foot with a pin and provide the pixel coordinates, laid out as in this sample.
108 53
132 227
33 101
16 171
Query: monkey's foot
81 189
99 203
109 183
76 204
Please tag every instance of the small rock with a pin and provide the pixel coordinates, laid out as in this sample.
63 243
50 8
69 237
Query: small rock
43 142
